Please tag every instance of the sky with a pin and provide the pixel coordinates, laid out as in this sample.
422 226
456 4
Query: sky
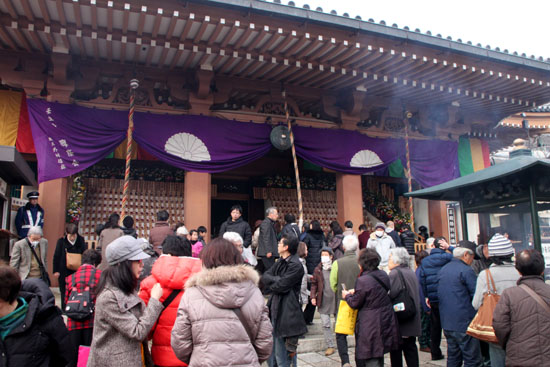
522 26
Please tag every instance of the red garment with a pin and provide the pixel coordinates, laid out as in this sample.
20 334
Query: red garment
172 273
82 278
363 239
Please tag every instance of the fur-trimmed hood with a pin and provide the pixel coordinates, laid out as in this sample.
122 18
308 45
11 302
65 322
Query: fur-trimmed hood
225 286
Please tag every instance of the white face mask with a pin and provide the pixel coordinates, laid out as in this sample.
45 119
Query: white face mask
35 243
325 259
71 242
379 233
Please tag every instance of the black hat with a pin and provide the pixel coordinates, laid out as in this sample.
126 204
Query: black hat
471 246
33 195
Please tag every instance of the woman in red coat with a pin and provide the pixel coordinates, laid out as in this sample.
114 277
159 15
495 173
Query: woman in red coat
171 270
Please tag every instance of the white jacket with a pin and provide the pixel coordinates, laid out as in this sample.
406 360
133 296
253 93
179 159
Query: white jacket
382 245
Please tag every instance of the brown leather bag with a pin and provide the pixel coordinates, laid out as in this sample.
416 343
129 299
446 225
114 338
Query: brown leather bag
73 260
481 326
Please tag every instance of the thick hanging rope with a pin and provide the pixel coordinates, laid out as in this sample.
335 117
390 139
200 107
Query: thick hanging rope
295 159
409 175
134 84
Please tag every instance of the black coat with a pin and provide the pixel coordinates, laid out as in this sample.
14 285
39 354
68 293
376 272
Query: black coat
376 330
291 229
315 240
284 280
267 240
395 237
407 240
42 340
239 226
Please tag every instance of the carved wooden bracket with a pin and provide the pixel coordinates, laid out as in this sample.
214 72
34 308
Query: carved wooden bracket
203 79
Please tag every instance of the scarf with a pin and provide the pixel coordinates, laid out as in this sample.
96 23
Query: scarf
13 319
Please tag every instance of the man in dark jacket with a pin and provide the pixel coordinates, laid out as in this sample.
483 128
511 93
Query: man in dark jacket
267 240
456 289
283 281
407 239
521 324
31 327
429 278
160 231
290 227
30 215
235 223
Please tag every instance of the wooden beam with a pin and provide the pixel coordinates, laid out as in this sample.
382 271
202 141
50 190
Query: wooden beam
279 48
216 33
230 34
44 11
7 38
27 9
244 37
176 59
11 9
271 41
61 12
259 37
186 28
202 29
141 21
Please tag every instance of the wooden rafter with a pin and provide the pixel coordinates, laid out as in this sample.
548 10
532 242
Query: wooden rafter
11 9
61 12
216 33
201 30
7 38
271 41
257 39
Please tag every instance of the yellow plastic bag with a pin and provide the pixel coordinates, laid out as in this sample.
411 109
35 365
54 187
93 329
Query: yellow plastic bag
345 321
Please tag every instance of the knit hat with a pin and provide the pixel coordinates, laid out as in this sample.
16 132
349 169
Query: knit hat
500 246
380 225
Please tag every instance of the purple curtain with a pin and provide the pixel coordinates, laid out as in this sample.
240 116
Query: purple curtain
200 143
345 150
69 138
433 162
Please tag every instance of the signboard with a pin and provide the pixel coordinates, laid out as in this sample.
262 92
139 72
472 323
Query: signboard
451 221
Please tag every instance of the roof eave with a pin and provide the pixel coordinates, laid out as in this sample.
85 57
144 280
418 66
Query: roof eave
383 30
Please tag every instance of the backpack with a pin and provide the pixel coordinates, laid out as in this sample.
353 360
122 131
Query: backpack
79 306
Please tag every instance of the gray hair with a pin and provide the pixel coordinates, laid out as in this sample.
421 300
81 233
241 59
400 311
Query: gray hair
35 230
400 256
459 252
233 237
271 209
350 242
430 241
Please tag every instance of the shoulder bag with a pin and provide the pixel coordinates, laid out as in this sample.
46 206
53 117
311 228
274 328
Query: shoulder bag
74 260
43 272
481 326
403 304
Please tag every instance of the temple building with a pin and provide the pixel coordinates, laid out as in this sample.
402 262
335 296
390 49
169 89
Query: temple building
368 102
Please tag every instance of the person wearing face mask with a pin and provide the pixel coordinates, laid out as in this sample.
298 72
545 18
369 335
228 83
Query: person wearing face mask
22 258
71 243
323 296
382 243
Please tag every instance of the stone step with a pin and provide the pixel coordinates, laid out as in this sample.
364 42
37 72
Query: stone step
316 343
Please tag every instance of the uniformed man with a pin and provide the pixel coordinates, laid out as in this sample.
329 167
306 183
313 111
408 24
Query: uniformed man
30 215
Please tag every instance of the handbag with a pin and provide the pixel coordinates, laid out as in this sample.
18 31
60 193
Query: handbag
346 319
481 326
403 304
83 356
74 260
43 273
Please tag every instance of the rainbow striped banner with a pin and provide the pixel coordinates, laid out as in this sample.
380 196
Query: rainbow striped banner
473 155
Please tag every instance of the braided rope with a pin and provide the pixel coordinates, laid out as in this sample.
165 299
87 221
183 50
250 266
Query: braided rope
409 175
128 154
295 160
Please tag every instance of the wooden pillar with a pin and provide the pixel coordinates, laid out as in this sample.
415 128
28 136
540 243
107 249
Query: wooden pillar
349 200
438 218
197 201
53 199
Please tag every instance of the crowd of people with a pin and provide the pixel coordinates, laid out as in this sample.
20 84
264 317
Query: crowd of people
249 295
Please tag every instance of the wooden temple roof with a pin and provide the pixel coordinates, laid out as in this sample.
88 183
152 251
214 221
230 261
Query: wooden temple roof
263 44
